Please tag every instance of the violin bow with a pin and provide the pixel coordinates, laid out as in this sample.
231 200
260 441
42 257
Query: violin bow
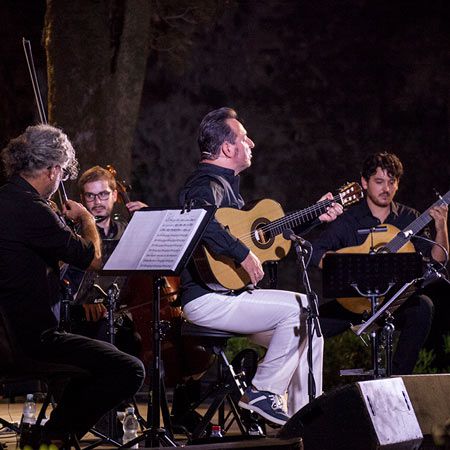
39 103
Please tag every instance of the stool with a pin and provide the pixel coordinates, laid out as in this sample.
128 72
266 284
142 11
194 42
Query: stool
228 387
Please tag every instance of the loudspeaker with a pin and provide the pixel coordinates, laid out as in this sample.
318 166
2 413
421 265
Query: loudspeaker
430 397
359 416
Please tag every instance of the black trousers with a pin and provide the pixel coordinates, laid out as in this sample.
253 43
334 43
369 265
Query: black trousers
113 376
413 320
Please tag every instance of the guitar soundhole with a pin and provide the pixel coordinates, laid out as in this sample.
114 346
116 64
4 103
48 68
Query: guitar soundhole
261 235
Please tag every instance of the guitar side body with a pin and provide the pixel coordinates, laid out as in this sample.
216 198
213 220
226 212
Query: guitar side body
359 305
220 272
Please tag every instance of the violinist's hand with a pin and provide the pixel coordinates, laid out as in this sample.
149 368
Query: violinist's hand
252 265
333 211
94 311
135 206
75 211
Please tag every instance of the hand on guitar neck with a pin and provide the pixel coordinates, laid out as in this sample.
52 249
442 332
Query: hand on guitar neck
439 214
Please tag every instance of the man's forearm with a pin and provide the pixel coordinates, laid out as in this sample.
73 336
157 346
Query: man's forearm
441 238
88 231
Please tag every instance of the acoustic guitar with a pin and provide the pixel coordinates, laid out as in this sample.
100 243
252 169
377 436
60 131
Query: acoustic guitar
260 229
390 241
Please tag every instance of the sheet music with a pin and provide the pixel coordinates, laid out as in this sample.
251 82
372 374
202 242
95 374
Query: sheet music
155 240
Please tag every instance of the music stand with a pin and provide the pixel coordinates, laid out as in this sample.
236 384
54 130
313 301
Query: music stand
158 242
372 276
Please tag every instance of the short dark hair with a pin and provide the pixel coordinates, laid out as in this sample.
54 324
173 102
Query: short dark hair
386 161
96 173
214 131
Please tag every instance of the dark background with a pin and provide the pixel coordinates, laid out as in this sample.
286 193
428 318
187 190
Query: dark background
318 84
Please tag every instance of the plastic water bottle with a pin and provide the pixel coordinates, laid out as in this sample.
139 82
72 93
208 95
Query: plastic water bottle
130 427
28 421
216 431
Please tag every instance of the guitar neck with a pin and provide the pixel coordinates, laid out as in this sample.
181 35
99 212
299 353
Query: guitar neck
414 227
301 217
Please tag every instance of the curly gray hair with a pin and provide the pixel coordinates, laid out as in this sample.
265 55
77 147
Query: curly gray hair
39 147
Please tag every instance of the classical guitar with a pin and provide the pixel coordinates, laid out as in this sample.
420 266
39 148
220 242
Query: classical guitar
392 240
260 229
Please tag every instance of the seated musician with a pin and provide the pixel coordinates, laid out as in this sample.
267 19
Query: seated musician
33 239
98 191
380 178
270 317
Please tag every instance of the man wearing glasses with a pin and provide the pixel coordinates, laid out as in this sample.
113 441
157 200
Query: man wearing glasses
98 192
33 240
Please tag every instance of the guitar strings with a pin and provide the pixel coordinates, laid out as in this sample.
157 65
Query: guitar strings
293 219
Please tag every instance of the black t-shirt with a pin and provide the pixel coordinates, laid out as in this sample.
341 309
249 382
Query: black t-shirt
33 239
343 232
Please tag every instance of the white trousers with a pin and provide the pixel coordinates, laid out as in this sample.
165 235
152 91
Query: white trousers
276 320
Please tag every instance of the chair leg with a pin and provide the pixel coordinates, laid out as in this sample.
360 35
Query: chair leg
228 381
10 425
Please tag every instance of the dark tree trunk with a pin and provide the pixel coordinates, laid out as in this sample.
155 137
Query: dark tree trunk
96 59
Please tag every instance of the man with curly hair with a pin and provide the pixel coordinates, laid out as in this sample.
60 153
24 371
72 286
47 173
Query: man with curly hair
33 240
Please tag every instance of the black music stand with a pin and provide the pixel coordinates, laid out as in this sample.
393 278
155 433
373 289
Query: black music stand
158 242
371 276
383 318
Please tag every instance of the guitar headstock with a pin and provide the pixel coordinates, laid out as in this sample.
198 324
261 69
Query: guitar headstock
350 193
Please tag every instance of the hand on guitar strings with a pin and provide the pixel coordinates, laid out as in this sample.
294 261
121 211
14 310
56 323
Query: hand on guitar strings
333 211
252 265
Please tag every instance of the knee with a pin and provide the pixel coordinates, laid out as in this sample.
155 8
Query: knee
424 308
419 312
132 374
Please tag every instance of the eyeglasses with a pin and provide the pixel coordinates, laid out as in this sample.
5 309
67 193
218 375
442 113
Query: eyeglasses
90 196
65 174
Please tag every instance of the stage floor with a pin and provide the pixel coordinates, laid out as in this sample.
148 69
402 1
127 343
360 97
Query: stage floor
12 412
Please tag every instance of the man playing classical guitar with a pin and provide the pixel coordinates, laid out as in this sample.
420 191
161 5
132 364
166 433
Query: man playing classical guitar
381 173
270 317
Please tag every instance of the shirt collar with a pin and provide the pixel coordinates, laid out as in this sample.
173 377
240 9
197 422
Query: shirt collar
365 210
218 169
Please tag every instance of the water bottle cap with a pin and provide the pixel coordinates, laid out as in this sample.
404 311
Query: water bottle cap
30 398
129 410
216 428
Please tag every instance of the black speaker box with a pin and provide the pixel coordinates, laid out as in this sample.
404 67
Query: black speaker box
360 416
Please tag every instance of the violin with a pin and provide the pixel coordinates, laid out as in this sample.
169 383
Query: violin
122 187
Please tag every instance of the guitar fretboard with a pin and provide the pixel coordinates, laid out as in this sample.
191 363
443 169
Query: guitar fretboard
414 227
300 217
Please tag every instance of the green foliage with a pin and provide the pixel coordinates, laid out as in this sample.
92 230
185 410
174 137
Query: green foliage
425 362
345 351
235 345
427 359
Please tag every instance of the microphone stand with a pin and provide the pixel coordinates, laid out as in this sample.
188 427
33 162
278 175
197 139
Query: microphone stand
302 248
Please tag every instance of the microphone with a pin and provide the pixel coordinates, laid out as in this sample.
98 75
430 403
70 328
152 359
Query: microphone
377 229
289 235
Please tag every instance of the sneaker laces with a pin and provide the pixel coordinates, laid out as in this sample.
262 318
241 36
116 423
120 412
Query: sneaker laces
277 401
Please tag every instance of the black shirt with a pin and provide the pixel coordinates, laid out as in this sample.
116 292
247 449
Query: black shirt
81 281
211 185
343 232
33 239
214 185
